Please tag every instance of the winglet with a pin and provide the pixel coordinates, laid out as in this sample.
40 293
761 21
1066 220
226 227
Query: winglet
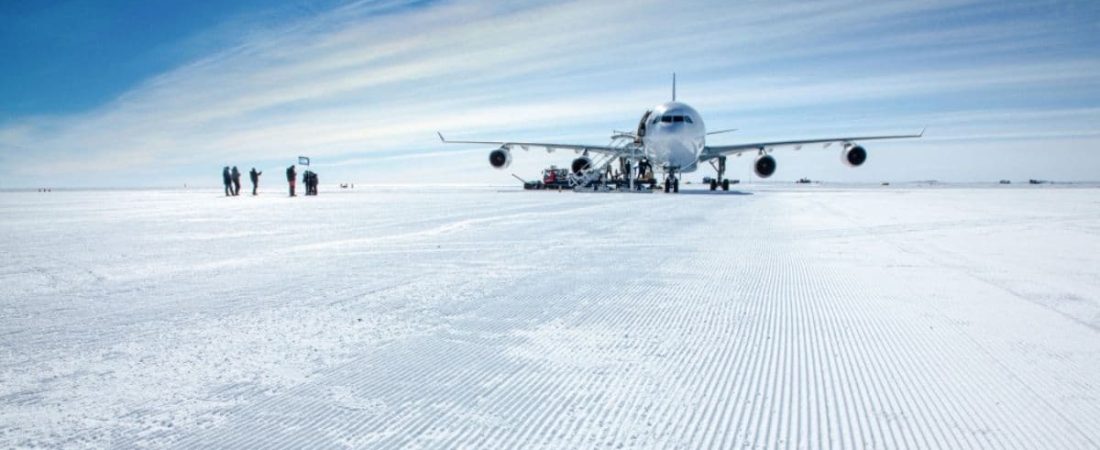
441 139
922 132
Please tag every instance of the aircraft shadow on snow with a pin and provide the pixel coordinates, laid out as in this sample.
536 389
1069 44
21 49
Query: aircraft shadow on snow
695 192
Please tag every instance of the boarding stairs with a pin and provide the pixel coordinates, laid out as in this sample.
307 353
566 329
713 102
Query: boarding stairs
595 172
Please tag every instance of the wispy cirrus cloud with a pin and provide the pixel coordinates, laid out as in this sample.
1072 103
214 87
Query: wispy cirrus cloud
367 81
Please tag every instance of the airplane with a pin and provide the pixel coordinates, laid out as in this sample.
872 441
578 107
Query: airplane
672 137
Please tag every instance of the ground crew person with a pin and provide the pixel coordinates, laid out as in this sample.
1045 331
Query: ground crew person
255 177
236 181
291 178
228 180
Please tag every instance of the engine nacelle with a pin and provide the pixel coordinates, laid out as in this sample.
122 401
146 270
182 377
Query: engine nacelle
581 164
764 166
500 158
854 156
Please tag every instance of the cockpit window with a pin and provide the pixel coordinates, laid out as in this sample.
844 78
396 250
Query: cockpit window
671 118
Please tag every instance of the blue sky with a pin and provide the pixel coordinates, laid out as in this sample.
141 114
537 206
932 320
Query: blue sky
159 93
76 55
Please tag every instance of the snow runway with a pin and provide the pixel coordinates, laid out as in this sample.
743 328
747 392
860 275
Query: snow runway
791 317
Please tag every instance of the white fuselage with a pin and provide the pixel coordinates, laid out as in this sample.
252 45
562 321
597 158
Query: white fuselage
672 136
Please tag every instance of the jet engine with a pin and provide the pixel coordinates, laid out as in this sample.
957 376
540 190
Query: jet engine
581 164
764 166
500 158
854 156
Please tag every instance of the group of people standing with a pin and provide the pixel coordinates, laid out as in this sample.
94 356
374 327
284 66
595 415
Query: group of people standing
232 180
309 179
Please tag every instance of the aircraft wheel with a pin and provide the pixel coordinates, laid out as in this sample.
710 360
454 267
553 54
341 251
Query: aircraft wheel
713 185
725 185
676 186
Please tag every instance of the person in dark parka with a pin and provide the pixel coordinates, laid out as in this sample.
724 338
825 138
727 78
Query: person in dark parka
291 178
236 181
311 182
307 179
228 180
255 177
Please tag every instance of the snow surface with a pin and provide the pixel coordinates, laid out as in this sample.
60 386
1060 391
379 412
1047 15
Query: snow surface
770 317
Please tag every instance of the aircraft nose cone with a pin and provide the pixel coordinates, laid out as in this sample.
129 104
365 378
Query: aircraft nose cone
680 155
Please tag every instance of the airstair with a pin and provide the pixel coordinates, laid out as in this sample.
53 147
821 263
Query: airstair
593 177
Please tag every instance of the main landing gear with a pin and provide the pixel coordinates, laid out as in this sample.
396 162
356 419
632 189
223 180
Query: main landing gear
721 180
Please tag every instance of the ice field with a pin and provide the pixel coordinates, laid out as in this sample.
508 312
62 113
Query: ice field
788 317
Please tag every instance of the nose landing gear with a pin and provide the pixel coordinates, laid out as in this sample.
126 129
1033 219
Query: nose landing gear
672 182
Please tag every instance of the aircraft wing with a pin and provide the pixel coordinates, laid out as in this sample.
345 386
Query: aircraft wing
549 146
714 151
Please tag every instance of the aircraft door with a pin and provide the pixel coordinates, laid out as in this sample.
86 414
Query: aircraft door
642 124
